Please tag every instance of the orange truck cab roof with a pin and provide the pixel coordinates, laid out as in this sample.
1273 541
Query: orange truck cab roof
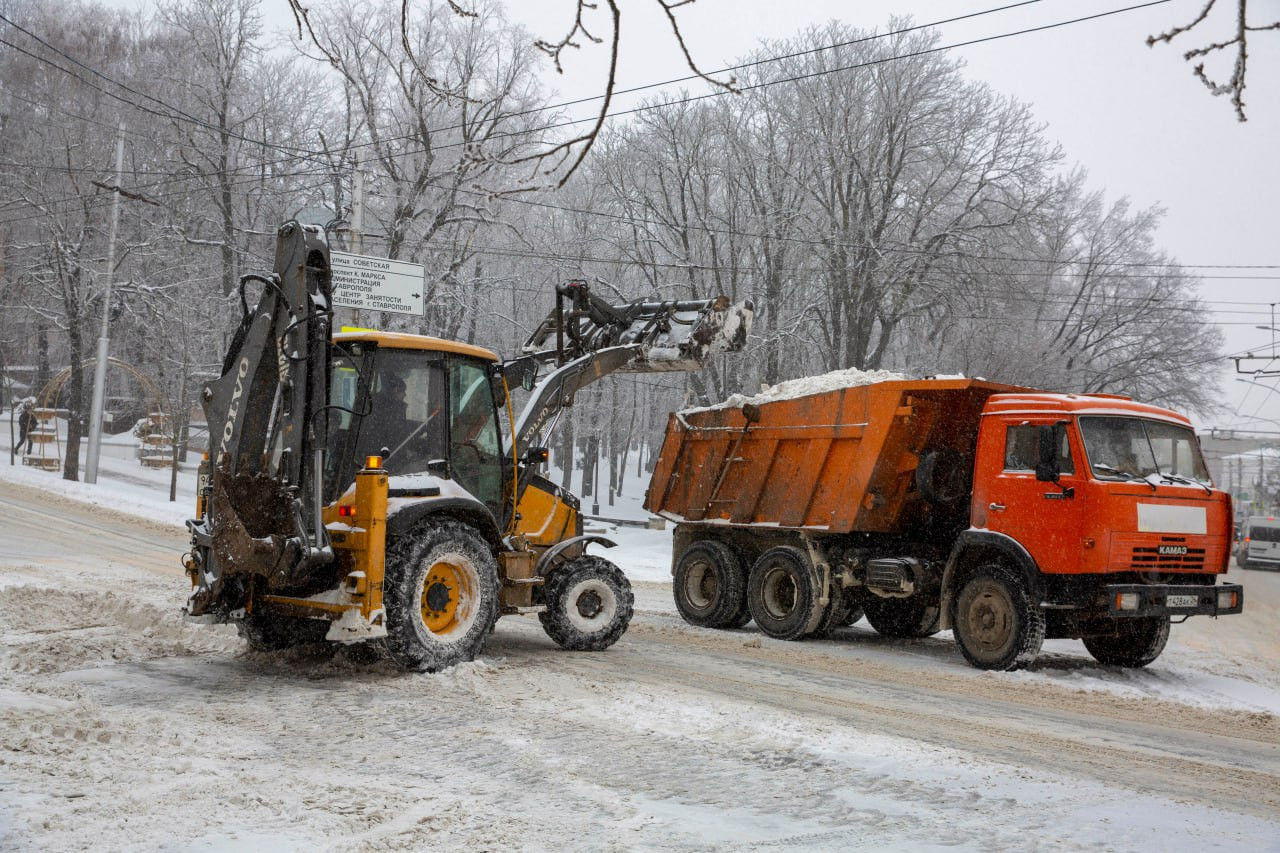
1041 403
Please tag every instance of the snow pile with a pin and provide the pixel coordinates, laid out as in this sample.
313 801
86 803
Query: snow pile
805 386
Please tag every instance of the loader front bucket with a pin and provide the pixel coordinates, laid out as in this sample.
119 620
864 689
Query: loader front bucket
667 335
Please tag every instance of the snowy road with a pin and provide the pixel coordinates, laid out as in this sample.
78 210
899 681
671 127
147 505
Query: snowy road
122 727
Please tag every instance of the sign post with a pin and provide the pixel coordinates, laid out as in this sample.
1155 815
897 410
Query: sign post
377 284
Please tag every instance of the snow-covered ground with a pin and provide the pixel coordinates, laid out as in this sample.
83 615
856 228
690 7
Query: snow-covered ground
124 728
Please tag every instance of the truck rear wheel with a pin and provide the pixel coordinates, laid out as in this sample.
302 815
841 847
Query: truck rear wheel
709 586
997 624
836 614
908 618
782 593
1129 642
441 596
589 604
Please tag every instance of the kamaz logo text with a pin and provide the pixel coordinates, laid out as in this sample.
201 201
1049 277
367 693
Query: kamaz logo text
1172 550
229 427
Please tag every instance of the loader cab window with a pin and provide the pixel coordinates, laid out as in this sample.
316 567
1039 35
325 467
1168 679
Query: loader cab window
475 448
404 414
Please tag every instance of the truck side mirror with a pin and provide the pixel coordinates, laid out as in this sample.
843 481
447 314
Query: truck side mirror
1048 468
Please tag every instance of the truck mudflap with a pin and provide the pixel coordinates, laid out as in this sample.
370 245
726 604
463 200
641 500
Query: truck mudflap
1132 600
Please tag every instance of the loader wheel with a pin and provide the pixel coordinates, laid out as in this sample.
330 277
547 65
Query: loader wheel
441 596
710 587
903 618
267 633
1129 642
782 593
589 604
998 625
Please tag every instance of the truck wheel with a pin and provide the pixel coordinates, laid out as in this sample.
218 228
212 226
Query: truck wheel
906 618
589 604
710 587
854 609
267 633
997 624
836 615
1130 642
441 596
782 593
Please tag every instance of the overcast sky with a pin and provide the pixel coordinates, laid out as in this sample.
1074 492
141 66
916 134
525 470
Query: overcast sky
1134 116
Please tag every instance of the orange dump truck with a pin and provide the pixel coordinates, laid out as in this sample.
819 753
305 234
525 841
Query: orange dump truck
1006 514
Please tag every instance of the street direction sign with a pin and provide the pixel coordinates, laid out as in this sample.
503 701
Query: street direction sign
377 284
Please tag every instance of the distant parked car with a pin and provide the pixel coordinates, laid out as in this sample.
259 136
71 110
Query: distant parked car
1260 546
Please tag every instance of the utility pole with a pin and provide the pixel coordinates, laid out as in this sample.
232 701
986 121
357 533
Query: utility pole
100 367
357 221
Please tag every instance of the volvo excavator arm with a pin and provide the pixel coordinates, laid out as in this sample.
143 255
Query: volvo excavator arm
262 498
593 338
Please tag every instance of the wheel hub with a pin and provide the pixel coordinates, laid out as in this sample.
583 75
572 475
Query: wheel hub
437 596
991 622
590 604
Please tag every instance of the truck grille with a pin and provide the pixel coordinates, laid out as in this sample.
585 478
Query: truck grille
1142 553
1151 558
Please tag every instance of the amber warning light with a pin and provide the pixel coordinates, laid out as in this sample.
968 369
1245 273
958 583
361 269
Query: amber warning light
373 463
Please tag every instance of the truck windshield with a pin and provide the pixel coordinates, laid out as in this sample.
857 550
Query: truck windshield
1134 449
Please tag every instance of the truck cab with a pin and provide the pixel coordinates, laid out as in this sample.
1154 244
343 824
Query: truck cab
1123 487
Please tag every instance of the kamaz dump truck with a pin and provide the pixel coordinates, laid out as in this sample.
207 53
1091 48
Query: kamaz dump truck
374 487
1006 514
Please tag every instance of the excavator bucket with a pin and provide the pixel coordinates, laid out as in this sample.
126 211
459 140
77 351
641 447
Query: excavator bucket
666 335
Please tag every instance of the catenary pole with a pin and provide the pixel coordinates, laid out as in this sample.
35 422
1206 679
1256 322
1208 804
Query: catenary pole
100 367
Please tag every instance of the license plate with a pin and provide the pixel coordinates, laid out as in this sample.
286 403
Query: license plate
1182 601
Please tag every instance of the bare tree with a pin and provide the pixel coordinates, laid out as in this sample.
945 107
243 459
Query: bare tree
557 160
1235 84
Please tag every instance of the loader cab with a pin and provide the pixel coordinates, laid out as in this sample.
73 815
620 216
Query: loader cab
426 406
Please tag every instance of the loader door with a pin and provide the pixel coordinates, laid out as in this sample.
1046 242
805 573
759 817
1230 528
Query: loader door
475 448
1040 515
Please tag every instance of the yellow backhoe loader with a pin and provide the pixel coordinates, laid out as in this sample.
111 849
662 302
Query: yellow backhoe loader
375 487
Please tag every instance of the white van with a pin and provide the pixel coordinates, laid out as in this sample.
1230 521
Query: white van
1260 547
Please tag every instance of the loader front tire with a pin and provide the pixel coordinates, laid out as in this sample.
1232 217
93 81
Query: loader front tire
589 604
710 587
441 596
782 593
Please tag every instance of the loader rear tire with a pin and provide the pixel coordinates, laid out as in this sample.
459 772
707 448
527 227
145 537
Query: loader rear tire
440 594
589 604
902 618
1129 642
710 586
782 593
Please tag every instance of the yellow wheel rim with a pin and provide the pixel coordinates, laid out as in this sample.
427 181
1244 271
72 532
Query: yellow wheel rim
447 591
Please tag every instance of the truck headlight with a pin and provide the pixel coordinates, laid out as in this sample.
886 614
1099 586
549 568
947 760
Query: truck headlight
1127 600
1226 599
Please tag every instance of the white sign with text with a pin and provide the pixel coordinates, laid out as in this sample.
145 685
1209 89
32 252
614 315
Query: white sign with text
377 284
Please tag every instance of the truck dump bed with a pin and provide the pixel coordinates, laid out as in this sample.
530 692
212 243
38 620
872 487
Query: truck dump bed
840 461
